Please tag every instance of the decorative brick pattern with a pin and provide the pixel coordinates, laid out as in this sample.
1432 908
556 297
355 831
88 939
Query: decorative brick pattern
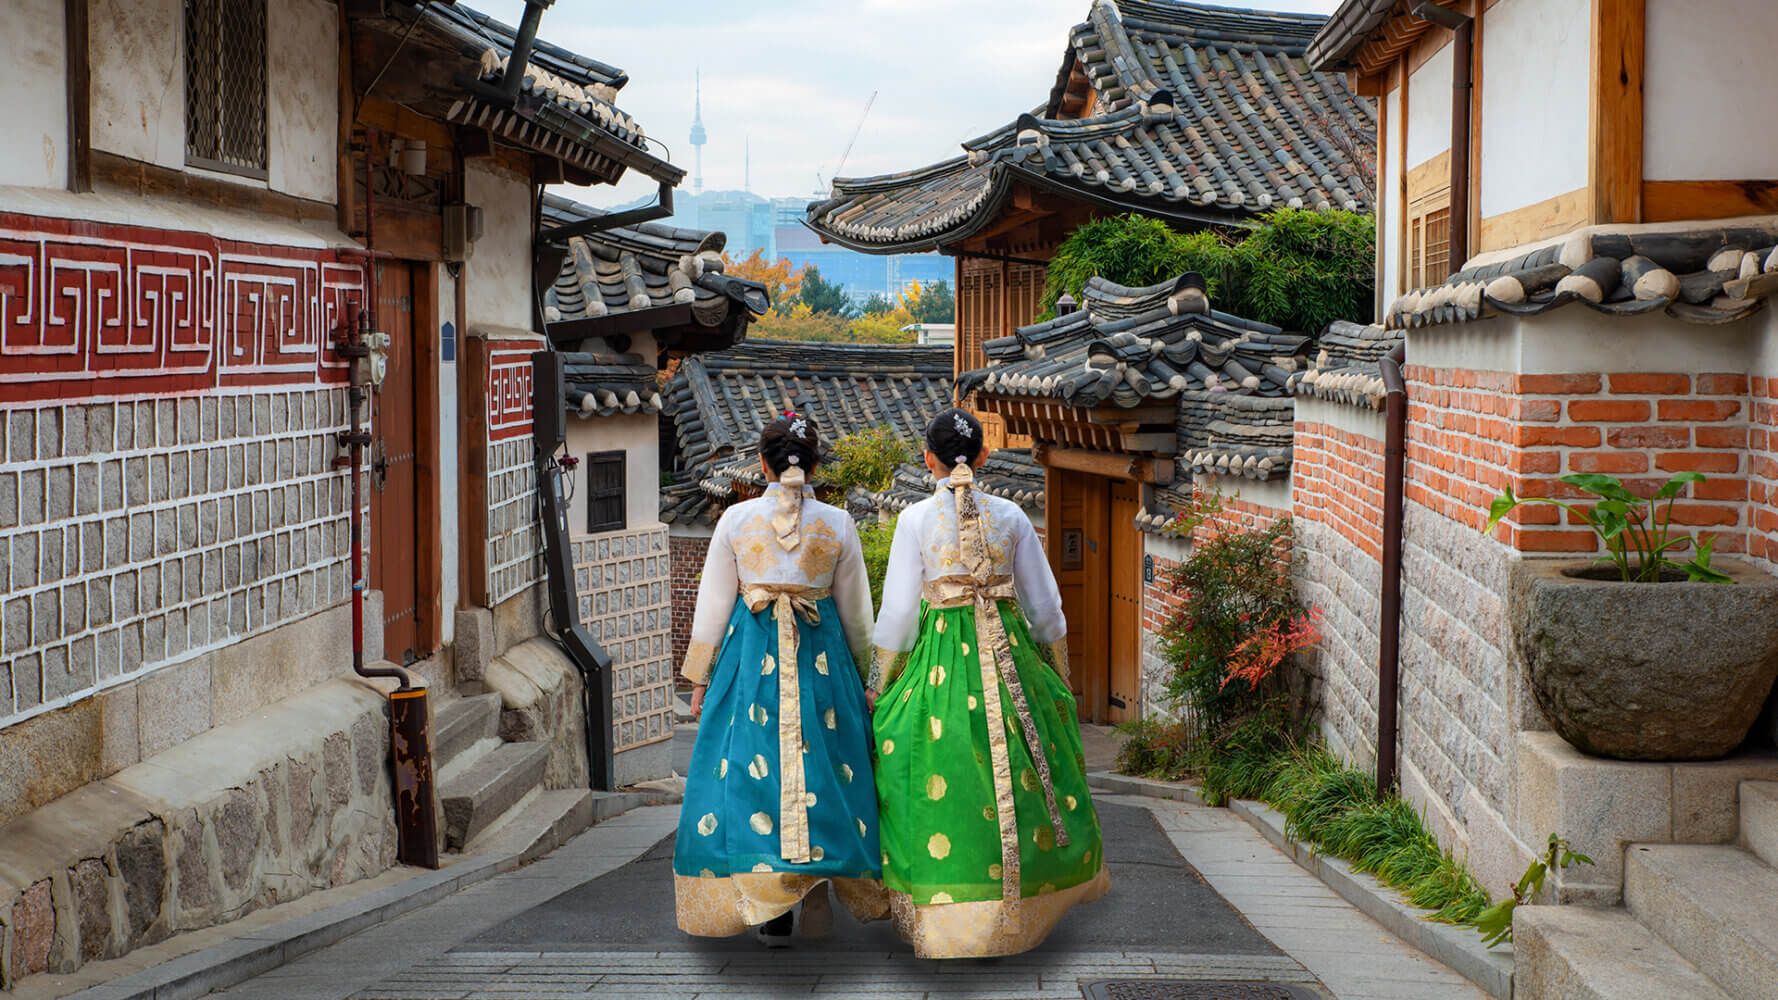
688 552
139 533
515 540
622 579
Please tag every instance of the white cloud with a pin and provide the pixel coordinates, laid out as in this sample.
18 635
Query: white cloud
794 75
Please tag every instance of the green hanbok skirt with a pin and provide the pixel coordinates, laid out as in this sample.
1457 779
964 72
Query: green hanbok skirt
944 843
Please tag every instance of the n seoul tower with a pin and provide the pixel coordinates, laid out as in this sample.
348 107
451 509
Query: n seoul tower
697 134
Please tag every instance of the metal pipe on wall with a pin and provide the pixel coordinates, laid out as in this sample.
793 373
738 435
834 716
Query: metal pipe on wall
1395 417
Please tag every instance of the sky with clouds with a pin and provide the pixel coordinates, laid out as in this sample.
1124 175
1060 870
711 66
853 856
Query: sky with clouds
793 76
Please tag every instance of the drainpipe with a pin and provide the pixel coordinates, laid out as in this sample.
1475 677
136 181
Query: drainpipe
1395 416
514 79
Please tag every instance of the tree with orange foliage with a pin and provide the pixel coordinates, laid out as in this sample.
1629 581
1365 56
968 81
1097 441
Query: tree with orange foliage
782 279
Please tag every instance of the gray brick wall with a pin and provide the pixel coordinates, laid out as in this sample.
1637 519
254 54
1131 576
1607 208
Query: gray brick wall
1343 581
515 543
141 532
623 579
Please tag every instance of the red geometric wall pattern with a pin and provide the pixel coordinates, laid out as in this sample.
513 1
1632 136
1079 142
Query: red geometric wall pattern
94 310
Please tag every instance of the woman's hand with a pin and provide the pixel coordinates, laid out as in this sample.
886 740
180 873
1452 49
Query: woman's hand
870 699
697 702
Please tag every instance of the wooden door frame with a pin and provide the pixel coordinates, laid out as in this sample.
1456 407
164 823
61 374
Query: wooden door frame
428 551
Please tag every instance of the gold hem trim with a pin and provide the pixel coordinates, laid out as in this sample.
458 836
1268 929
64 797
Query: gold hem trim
698 658
729 905
988 928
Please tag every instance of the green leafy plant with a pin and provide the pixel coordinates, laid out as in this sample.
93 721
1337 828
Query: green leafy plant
1495 924
1297 269
1636 532
867 459
874 538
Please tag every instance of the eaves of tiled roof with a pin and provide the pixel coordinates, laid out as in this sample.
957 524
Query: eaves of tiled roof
1202 114
660 278
601 385
1011 473
1700 273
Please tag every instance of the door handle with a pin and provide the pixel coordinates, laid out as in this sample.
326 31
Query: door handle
379 465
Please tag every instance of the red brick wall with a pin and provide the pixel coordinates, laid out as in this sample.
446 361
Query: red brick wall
1337 480
1762 472
688 565
1472 433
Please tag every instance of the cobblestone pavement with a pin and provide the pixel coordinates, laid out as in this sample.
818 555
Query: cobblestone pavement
1306 935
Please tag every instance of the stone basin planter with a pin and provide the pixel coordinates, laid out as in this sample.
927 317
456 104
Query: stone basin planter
1646 671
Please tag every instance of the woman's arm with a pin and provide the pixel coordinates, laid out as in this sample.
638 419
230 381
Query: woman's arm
716 602
1039 596
898 620
851 594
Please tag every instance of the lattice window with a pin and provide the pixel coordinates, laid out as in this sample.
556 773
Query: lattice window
605 492
225 88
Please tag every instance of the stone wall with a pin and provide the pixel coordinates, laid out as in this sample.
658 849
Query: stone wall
623 579
248 815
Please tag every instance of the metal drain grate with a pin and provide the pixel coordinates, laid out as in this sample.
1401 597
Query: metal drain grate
1191 989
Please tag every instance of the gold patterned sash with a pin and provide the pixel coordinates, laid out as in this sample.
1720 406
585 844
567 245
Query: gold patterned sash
788 602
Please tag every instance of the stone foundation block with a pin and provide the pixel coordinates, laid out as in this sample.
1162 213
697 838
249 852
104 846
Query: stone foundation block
540 702
473 643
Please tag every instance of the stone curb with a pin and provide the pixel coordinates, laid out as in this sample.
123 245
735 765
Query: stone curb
218 967
1460 948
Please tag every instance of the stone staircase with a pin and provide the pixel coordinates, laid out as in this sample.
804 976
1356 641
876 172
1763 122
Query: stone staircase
1699 921
483 782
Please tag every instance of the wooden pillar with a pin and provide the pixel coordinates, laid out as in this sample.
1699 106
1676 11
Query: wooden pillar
1615 164
80 101
472 419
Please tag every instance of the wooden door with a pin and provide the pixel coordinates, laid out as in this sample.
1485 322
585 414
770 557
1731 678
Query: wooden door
394 502
1124 585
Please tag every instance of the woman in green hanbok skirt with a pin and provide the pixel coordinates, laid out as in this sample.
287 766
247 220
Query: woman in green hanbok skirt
988 831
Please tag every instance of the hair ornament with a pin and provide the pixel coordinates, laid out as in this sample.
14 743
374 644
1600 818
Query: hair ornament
795 460
962 424
799 427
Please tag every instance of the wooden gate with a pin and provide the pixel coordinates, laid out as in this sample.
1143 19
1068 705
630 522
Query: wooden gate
394 506
1124 582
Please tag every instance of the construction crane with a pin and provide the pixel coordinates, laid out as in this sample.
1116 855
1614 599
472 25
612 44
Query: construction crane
821 185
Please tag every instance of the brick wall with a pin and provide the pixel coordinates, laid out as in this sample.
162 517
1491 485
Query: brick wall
687 554
515 541
1762 471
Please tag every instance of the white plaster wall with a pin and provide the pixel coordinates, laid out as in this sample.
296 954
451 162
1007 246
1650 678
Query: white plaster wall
1703 62
450 493
1580 340
499 271
33 75
1429 108
1389 221
638 436
302 116
1535 61
138 79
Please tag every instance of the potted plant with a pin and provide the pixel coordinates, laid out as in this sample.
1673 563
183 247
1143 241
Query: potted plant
1636 655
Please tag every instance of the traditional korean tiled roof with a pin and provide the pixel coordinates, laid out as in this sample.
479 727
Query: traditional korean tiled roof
1129 346
567 102
1347 368
1707 274
1228 377
643 267
1204 114
1012 473
599 384
718 402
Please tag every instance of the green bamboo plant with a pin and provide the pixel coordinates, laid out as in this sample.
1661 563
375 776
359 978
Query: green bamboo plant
1636 532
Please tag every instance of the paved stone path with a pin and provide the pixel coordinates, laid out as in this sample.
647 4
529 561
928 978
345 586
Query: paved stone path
441 952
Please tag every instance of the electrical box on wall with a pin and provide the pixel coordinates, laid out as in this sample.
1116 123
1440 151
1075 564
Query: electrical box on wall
462 227
376 363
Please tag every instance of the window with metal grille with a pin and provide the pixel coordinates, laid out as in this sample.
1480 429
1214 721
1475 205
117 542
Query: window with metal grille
605 492
225 98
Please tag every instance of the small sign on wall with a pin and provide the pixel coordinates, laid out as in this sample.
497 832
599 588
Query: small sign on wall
447 342
1148 569
1071 549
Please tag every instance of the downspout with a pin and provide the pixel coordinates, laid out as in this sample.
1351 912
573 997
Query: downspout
1462 28
514 78
1395 417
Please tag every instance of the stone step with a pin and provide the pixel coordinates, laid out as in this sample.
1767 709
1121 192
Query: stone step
538 824
461 724
1759 819
1714 906
464 760
1580 953
478 796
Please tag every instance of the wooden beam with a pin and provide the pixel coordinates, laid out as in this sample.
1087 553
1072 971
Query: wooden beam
1676 201
152 181
474 143
80 99
1550 217
1107 465
1615 161
547 170
1164 413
